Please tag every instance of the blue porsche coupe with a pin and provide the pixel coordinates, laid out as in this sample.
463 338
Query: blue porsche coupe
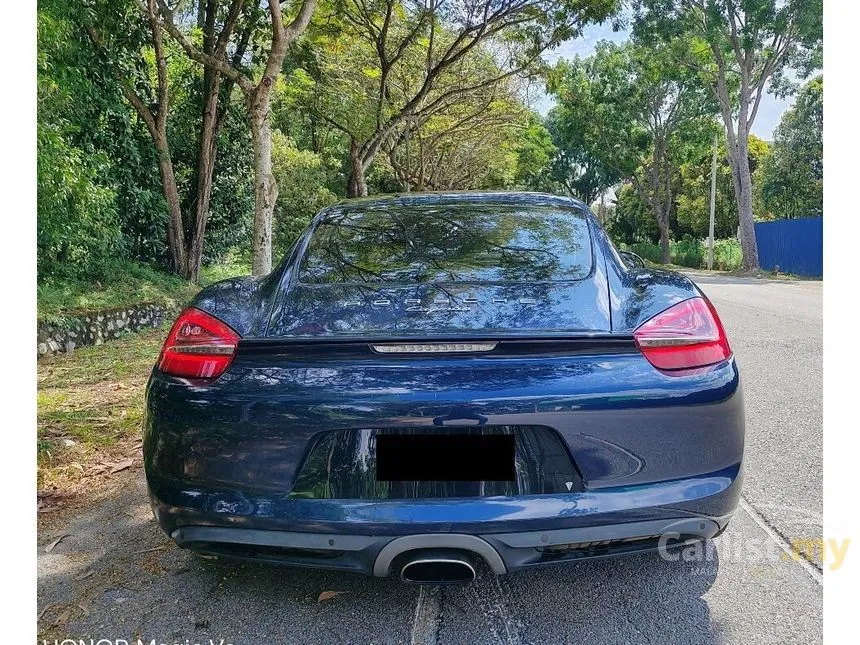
429 381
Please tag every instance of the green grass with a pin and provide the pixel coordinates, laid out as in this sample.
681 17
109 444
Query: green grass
129 285
90 407
217 272
90 402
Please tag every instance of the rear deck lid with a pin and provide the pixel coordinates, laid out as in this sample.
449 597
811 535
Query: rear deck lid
445 270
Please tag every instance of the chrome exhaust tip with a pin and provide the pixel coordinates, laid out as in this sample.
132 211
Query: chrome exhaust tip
438 569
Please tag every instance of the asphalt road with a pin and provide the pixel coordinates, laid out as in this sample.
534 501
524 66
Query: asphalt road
116 576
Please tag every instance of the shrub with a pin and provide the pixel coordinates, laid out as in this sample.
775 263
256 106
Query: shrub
727 255
646 250
692 253
687 252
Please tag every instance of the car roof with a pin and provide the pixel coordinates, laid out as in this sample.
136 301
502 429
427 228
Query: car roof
458 198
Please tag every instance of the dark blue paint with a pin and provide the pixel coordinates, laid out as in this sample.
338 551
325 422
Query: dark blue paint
647 445
793 245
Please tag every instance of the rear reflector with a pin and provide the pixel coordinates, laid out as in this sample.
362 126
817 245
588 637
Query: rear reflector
198 346
686 335
433 348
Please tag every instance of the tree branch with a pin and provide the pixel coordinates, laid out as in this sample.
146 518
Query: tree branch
196 55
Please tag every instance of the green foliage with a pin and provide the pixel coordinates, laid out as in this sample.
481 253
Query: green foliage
101 208
739 50
100 199
231 204
727 255
646 250
386 74
99 192
687 252
694 189
791 179
302 189
769 36
475 144
619 116
535 151
78 217
692 253
598 139
78 228
125 283
632 221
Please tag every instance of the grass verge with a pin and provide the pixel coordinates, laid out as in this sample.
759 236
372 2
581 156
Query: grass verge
90 402
131 284
90 407
759 274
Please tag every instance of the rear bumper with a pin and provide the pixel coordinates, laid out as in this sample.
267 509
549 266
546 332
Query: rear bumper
652 450
508 533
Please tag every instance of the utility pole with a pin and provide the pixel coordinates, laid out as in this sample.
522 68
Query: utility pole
713 206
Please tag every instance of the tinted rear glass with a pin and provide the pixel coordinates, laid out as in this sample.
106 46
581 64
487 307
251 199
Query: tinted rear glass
490 243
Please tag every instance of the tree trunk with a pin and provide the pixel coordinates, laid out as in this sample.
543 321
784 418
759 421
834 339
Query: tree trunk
357 185
205 170
175 232
663 223
265 187
743 197
737 145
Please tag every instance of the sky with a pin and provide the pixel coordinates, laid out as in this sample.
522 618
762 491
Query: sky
769 112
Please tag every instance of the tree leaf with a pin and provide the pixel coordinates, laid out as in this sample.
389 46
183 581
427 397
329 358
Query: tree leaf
122 465
51 546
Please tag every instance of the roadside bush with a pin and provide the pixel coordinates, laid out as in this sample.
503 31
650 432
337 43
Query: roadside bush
646 250
688 252
727 255
692 253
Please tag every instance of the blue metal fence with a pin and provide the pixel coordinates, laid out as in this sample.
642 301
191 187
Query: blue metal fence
793 245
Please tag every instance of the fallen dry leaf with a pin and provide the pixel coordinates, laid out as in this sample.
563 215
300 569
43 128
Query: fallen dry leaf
328 595
63 618
121 466
51 546
84 609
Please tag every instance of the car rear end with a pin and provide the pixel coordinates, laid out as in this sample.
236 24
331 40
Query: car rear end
549 404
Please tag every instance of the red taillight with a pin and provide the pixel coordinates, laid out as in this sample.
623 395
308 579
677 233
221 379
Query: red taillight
686 335
198 346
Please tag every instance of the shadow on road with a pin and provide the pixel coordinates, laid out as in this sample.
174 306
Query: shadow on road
116 576
632 599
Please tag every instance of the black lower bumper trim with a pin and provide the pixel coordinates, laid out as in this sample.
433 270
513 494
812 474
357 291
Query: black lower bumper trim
503 552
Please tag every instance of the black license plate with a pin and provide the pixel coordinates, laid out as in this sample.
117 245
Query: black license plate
445 457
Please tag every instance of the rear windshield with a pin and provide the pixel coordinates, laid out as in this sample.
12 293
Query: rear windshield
471 243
